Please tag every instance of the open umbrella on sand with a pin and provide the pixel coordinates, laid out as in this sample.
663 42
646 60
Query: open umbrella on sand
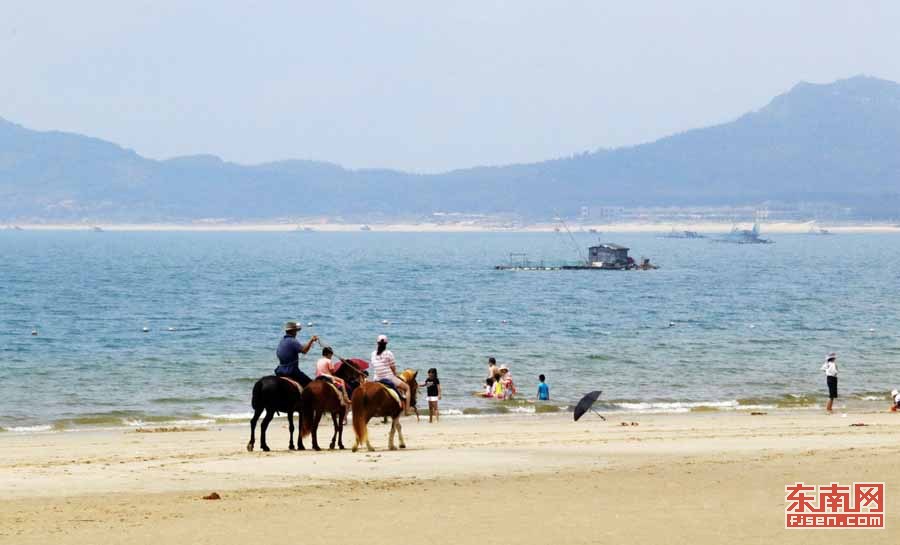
586 403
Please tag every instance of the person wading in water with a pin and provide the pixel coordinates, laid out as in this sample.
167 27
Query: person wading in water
288 352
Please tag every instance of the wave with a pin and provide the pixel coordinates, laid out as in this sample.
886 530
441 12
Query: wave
29 429
176 400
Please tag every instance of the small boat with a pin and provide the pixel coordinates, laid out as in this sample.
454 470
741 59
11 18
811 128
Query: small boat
818 231
365 228
96 229
683 234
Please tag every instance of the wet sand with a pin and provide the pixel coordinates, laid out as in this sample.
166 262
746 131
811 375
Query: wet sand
692 478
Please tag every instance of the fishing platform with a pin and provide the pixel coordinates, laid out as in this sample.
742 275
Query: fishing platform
602 257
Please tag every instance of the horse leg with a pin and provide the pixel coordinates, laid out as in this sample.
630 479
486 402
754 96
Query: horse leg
391 434
368 444
315 429
290 416
341 419
400 433
262 431
256 413
334 424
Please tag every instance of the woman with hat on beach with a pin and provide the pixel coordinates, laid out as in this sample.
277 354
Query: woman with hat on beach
386 369
831 373
288 353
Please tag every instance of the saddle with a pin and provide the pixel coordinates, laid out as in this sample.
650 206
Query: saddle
392 390
294 383
328 381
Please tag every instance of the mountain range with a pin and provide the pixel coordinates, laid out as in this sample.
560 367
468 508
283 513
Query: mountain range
836 143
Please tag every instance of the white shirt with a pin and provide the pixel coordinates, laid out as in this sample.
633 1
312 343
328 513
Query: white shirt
830 368
897 399
382 364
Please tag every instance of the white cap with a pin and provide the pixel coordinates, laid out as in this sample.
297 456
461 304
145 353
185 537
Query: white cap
894 392
382 338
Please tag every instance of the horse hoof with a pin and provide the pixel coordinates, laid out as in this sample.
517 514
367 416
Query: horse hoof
392 447
402 445
301 447
265 448
331 446
249 447
316 448
341 447
291 447
354 449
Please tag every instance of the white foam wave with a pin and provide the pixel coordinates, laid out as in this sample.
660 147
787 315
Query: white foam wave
30 429
138 423
229 416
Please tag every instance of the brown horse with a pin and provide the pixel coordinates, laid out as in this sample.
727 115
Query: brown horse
372 400
320 397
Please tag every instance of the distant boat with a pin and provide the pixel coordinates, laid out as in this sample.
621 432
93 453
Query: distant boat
744 236
302 229
818 231
96 229
17 228
365 228
683 234
593 231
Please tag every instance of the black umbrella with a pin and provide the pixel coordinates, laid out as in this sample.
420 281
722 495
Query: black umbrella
585 404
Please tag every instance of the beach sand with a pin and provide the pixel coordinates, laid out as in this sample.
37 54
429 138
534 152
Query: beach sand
690 478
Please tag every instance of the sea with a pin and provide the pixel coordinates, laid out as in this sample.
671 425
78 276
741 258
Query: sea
117 329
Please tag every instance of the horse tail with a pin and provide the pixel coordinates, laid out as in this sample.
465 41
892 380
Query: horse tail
256 401
360 415
306 419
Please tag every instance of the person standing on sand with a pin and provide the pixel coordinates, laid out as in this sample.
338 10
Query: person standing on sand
831 378
288 353
433 390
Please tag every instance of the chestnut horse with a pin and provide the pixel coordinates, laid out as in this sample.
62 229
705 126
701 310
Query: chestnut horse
320 397
274 394
372 400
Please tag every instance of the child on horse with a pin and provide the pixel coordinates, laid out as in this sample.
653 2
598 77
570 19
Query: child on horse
325 371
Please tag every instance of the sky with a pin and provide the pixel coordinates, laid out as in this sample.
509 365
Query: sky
420 85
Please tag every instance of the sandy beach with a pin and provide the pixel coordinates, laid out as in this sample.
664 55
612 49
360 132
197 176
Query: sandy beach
689 478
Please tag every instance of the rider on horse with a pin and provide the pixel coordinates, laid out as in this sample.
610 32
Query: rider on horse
325 371
288 352
386 369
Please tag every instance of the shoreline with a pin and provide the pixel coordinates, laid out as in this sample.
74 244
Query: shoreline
469 227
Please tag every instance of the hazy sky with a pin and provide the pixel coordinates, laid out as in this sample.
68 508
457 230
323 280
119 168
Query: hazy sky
419 85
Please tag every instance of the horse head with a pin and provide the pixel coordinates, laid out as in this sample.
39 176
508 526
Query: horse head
409 377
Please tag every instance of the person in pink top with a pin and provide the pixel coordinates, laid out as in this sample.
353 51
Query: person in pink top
386 369
325 370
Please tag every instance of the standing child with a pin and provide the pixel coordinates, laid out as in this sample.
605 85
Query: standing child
433 391
895 400
543 389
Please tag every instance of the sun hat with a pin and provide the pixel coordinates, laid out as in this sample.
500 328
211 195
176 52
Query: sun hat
382 338
292 326
832 356
894 392
504 368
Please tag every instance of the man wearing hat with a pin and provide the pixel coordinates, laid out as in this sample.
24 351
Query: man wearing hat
288 352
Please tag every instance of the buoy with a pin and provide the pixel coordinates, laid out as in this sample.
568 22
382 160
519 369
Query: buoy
752 326
170 329
671 324
504 321
478 321
385 322
309 324
145 329
34 332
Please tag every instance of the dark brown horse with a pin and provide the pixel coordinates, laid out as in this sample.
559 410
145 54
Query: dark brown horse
320 397
372 400
274 394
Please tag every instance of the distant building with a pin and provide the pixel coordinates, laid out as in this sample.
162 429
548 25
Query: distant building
608 254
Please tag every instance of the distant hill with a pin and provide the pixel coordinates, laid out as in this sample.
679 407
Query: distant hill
836 143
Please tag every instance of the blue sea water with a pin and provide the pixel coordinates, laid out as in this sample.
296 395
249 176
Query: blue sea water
719 325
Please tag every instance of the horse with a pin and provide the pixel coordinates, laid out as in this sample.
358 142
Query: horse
371 400
275 394
320 397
